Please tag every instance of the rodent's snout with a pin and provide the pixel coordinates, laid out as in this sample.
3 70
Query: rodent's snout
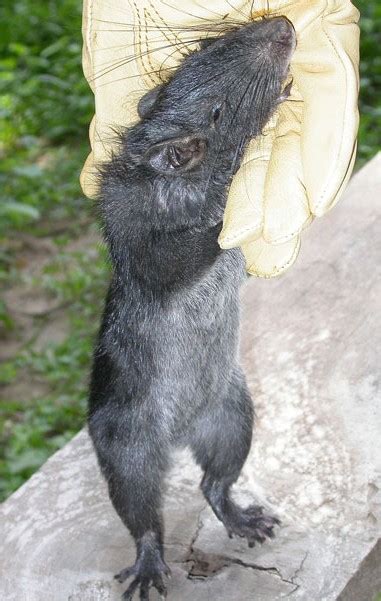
277 38
281 31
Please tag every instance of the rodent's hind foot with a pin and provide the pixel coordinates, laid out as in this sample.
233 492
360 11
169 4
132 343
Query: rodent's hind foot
250 523
148 572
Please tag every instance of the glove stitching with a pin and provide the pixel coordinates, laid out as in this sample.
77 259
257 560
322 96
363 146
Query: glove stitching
277 240
232 238
138 41
276 272
147 16
176 37
296 232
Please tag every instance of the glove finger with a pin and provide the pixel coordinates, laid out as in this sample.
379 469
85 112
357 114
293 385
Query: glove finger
286 208
243 217
325 71
269 260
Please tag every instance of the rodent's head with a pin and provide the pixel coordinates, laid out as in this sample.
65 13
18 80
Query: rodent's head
194 128
221 96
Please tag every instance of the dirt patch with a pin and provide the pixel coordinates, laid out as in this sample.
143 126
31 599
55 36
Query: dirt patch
39 317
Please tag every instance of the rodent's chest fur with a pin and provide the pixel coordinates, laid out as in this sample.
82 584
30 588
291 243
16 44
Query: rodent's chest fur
163 336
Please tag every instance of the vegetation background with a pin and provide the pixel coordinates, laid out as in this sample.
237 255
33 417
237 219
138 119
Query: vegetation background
52 271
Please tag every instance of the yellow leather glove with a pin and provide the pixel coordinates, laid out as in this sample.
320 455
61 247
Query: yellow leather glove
298 168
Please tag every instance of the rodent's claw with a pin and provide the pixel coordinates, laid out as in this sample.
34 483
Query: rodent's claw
160 587
145 578
253 524
144 591
124 574
129 593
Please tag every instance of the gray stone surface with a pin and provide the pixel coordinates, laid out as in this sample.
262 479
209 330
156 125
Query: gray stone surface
310 347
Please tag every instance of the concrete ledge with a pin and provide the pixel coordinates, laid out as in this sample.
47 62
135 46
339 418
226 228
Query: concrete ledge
310 347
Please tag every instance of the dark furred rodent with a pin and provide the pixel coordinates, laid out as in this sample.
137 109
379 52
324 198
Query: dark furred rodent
166 369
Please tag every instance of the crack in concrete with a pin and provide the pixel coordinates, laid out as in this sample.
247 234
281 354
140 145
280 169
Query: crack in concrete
295 575
205 565
198 529
201 565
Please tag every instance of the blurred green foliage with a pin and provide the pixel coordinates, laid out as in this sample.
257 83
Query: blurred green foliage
45 109
370 79
43 91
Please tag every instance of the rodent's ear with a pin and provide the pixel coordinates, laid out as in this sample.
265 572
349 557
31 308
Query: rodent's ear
177 155
146 103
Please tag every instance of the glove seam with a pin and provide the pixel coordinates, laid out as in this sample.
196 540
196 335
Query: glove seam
232 238
276 272
277 240
287 237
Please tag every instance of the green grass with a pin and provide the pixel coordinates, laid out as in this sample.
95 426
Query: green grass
45 109
31 429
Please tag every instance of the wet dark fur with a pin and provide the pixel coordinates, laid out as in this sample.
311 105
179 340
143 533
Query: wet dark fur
166 369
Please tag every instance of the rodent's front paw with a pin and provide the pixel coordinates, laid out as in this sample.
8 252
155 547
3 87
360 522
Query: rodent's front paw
148 572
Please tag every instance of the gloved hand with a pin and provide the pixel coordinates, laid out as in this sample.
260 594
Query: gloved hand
297 169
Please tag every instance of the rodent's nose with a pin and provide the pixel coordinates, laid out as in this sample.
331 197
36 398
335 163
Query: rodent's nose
281 31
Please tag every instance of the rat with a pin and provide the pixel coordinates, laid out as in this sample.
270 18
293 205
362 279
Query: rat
165 370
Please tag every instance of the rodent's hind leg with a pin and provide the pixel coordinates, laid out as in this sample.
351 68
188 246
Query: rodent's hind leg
251 522
147 571
133 460
221 441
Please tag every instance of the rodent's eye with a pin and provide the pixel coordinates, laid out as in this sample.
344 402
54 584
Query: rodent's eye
216 113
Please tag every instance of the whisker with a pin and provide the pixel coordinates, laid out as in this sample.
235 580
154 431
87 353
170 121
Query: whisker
184 12
199 17
159 72
101 140
209 26
240 12
126 60
163 26
227 132
125 46
258 96
214 76
126 77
